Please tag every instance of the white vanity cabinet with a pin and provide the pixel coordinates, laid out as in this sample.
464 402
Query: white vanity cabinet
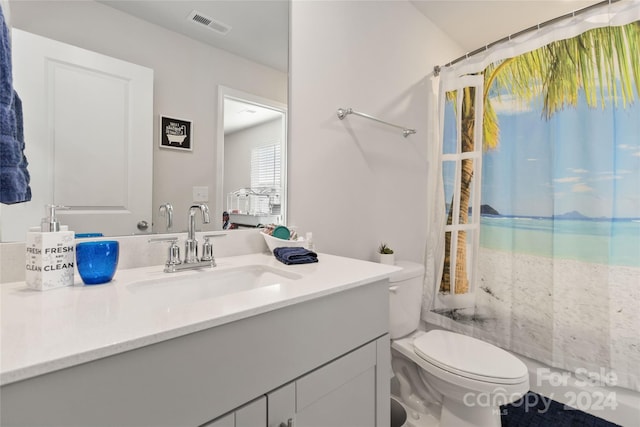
320 362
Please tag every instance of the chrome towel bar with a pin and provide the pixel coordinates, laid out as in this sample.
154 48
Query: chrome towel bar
343 112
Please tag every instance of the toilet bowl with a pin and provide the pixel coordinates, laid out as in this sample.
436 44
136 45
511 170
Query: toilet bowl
473 377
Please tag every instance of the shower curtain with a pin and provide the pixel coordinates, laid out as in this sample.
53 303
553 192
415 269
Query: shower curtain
535 237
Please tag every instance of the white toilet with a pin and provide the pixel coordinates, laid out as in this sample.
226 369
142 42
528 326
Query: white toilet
473 377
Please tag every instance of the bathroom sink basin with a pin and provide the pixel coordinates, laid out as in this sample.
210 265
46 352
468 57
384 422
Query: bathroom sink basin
186 287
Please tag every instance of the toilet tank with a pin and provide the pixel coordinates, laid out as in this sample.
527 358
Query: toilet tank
405 298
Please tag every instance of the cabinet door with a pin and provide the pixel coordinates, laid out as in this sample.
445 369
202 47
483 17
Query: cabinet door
228 420
339 394
282 406
253 414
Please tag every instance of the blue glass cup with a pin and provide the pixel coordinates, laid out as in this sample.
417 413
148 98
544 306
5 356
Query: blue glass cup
97 261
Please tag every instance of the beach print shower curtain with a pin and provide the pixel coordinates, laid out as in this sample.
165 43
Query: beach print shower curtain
554 271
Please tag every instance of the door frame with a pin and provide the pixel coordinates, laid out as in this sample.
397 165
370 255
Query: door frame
225 92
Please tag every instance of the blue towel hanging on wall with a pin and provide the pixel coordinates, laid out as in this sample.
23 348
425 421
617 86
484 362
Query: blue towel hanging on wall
14 177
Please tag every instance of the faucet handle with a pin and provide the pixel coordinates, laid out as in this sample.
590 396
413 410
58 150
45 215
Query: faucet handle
162 239
173 257
207 251
207 248
208 236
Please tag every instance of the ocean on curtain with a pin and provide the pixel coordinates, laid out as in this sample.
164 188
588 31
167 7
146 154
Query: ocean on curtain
541 250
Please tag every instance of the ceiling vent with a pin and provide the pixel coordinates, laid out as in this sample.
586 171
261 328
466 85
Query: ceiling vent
210 23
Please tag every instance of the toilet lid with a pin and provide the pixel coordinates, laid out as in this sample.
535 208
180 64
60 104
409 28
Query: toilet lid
469 357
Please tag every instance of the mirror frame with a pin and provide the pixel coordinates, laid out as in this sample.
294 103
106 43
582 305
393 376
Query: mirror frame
225 92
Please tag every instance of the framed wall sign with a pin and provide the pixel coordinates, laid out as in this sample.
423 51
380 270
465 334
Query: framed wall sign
176 133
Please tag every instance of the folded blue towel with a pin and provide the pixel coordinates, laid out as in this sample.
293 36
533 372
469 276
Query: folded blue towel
290 256
14 177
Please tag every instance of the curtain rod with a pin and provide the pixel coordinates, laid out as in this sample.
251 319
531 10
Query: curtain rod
343 112
437 68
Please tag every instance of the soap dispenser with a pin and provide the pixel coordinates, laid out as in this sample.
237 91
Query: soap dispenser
50 260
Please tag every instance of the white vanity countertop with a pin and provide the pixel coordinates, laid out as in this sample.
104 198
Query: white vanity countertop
46 331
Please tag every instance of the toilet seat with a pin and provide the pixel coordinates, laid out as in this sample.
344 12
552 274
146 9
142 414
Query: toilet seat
469 357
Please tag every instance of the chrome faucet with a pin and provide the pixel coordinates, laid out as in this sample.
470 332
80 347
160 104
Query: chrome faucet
174 263
191 244
191 260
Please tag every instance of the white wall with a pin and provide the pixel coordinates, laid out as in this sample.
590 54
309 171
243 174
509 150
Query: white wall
355 183
186 73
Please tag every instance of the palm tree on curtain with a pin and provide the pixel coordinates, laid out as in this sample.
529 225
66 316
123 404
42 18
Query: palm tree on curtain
603 62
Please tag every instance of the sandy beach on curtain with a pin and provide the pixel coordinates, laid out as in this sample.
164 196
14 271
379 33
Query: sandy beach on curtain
564 312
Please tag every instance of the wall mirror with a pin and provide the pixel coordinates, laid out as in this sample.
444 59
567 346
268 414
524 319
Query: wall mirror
251 57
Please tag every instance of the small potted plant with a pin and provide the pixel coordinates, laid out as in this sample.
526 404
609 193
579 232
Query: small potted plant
385 254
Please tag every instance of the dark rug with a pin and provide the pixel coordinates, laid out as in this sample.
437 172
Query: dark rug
534 410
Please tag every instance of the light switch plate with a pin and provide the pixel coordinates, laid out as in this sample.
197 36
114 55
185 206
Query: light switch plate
200 194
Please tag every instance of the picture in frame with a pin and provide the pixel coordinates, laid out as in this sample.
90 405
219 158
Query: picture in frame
176 134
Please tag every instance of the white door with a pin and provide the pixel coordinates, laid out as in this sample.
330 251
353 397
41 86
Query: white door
88 125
